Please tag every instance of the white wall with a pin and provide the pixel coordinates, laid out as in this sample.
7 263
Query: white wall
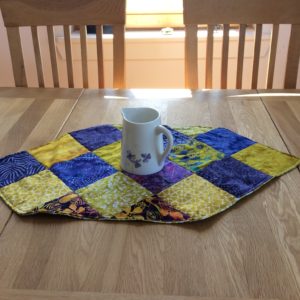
152 60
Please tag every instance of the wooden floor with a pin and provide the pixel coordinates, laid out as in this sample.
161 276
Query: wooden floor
248 252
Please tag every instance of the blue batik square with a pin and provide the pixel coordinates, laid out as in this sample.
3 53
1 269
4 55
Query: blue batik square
17 166
234 177
95 137
82 170
224 140
169 175
178 137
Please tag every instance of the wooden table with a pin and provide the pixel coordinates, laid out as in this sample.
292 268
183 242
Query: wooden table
250 251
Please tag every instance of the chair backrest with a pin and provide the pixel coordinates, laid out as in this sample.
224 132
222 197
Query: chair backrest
242 12
17 13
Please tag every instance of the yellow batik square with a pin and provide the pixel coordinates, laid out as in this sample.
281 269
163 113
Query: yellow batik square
267 160
111 154
193 131
64 148
112 194
197 197
118 126
32 192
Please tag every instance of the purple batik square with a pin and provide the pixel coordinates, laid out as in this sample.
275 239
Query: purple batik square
234 176
169 175
95 137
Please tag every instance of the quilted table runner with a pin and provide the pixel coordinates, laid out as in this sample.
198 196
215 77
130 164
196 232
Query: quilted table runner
79 175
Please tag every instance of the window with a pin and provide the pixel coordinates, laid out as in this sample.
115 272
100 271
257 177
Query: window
149 14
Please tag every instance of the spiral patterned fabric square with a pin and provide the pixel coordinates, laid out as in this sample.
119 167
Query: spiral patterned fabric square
79 175
17 166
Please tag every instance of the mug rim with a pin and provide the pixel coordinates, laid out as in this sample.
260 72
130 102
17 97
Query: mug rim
155 117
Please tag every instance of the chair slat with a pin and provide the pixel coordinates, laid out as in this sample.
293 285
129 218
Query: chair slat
224 63
209 56
258 33
15 47
119 56
68 50
292 65
241 11
37 54
51 41
191 56
272 56
240 58
85 79
99 32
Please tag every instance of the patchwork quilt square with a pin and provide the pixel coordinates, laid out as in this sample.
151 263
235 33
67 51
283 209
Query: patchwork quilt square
32 192
82 170
234 177
266 159
193 131
170 174
70 205
111 194
64 148
224 140
197 197
111 154
98 136
17 166
194 155
154 209
178 137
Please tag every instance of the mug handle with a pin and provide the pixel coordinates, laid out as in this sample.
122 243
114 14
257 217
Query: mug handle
168 134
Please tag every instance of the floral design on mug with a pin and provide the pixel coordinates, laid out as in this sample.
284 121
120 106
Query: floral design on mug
146 157
138 162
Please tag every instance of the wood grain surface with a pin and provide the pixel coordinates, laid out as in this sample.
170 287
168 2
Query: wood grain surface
50 295
250 251
56 12
284 109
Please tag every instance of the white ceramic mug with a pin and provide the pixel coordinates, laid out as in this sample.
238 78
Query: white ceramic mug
142 141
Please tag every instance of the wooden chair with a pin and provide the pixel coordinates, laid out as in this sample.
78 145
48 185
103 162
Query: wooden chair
35 13
243 12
